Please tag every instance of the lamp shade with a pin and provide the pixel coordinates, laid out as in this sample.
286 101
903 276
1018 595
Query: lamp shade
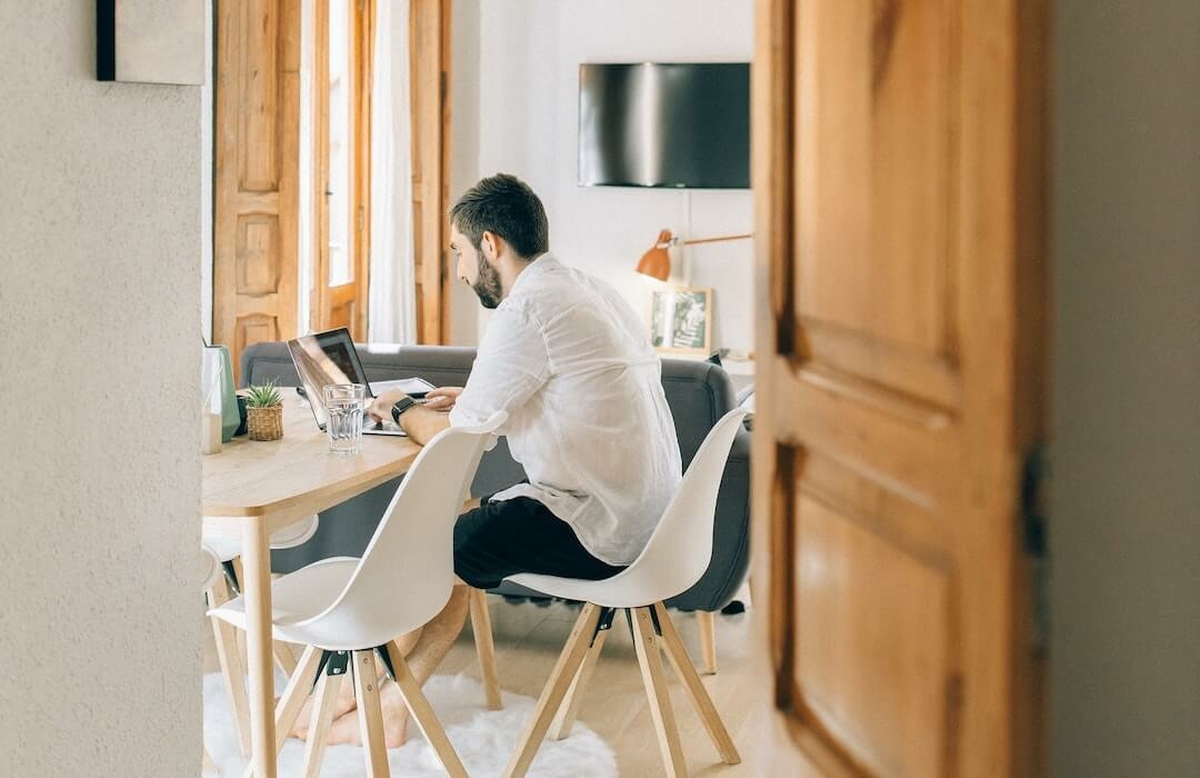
656 262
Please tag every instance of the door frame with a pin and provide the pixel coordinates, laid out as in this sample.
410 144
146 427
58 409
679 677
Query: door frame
324 300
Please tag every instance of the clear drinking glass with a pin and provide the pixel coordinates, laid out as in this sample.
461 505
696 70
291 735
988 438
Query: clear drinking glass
344 404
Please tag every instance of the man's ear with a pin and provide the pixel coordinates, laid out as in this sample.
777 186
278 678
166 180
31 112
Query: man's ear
490 245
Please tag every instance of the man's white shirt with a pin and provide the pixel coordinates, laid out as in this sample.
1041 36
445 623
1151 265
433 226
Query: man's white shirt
571 363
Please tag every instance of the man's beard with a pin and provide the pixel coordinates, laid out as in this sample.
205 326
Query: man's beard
487 287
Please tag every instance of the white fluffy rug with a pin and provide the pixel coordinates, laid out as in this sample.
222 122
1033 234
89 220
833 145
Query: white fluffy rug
484 739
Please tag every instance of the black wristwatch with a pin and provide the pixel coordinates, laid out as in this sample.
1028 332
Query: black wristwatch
402 405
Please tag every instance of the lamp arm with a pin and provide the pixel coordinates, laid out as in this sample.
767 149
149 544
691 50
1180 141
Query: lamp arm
717 239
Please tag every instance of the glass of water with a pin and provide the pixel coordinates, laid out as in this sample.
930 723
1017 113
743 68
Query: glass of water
344 404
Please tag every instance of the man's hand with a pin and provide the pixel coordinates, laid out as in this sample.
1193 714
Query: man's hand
381 406
419 422
442 398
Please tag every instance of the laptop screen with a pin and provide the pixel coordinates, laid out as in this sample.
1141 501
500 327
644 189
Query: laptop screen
326 358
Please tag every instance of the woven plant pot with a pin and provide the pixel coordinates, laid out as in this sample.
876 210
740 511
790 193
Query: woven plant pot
264 423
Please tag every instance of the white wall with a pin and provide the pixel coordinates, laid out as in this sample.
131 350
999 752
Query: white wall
464 151
529 53
1125 513
100 245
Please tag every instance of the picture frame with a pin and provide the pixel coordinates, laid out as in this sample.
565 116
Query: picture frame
681 320
150 41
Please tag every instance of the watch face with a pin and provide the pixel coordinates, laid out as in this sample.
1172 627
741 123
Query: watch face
402 405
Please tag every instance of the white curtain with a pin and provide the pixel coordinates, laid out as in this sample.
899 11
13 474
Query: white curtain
391 314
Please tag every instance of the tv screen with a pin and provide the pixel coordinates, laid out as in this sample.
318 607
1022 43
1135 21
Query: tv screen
665 125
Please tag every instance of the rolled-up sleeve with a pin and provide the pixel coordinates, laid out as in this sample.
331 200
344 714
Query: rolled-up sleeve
511 365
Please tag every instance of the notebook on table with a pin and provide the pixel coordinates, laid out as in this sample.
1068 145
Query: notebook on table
329 357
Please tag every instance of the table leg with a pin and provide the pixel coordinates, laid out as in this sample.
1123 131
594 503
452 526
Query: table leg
256 588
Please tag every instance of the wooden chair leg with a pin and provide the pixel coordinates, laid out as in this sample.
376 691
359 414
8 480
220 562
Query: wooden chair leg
239 576
370 714
565 719
318 731
422 713
287 710
285 660
678 655
706 624
647 644
481 626
233 672
560 678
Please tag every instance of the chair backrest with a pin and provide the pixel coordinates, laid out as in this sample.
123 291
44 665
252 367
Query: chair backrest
405 575
680 549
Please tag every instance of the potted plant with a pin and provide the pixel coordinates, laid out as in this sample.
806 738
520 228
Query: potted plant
264 412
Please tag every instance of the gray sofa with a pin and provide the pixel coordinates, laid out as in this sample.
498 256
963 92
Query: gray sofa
699 393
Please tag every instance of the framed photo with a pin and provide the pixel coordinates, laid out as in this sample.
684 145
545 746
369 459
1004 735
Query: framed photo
681 320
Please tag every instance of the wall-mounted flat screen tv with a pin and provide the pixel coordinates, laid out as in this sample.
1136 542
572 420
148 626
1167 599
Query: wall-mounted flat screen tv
665 125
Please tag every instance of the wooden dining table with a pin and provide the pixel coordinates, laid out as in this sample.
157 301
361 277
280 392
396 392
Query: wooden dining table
254 488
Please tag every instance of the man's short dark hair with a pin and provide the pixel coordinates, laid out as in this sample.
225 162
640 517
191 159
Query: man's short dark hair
505 205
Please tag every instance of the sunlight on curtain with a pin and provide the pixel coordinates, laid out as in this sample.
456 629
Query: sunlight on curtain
392 305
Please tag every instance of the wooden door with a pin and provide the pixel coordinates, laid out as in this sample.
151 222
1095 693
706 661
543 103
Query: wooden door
256 186
343 38
899 176
429 36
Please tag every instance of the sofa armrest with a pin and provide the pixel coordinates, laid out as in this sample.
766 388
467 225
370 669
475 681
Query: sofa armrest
731 536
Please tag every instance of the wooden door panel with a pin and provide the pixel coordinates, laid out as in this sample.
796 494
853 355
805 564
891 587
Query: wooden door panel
875 125
258 125
900 286
901 445
429 31
255 328
256 187
425 64
874 646
257 255
918 376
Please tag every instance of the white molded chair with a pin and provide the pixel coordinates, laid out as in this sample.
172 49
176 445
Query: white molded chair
675 557
343 607
223 554
229 548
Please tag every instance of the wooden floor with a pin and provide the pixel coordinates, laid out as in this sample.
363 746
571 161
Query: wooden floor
528 638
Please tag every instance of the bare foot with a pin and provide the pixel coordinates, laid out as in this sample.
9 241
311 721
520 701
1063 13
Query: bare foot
345 731
343 705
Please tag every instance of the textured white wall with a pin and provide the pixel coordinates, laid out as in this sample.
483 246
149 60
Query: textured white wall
1125 512
100 246
529 52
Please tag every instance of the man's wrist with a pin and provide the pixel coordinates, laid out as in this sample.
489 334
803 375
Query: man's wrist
400 406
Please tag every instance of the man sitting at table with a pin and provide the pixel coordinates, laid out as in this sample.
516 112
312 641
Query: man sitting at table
570 362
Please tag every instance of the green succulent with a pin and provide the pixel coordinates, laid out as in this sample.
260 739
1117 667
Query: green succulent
263 396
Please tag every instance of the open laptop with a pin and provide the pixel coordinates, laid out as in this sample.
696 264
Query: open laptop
330 358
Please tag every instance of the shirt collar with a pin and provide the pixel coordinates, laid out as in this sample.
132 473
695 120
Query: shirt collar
537 267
